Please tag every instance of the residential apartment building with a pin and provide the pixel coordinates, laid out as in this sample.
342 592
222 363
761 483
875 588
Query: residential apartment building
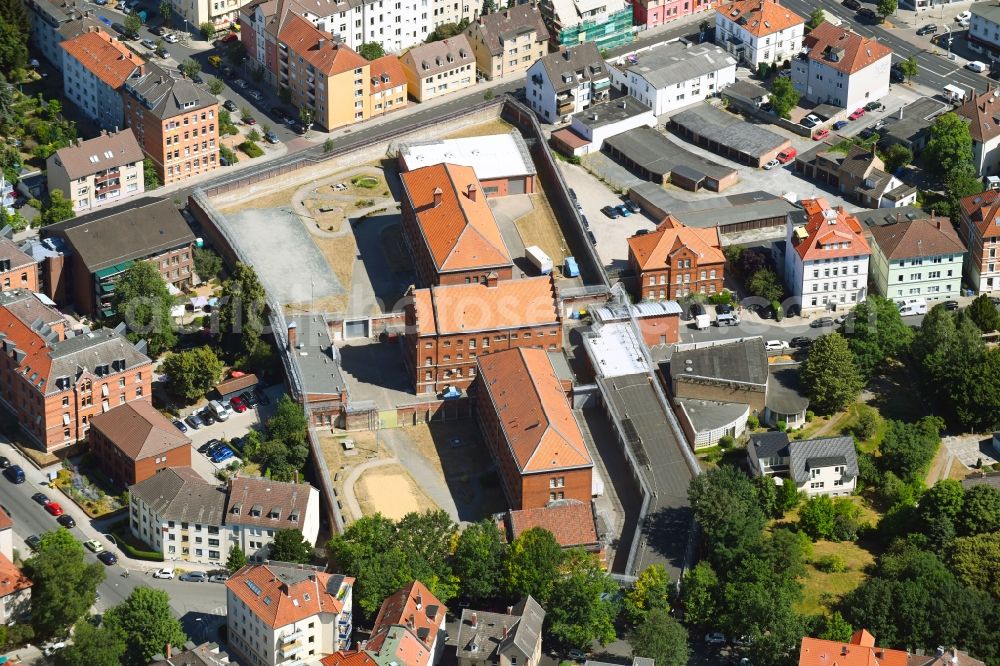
529 428
178 513
104 244
605 23
509 41
493 639
449 327
653 13
55 385
841 67
827 466
759 31
980 231
134 441
439 68
984 24
220 13
95 67
676 261
675 75
53 22
567 82
982 111
449 227
388 89
826 257
15 586
323 75
917 258
97 172
205 654
279 613
17 269
175 121
859 174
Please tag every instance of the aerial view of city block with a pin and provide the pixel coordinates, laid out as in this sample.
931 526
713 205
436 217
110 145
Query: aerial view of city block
500 332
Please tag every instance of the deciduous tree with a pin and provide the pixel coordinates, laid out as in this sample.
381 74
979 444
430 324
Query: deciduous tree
478 560
908 448
92 646
976 562
64 585
59 208
13 47
897 156
980 511
650 592
784 96
700 593
580 609
950 145
886 7
876 334
766 284
908 67
815 18
237 559
661 638
984 314
725 503
147 624
290 546
830 375
151 179
371 51
241 316
532 565
132 23
143 302
192 373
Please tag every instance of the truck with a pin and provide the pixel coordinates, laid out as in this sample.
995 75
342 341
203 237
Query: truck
953 93
538 259
702 321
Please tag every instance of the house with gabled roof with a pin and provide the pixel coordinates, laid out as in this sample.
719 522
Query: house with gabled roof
529 427
449 227
570 521
676 261
979 229
513 638
508 41
917 258
841 67
134 441
439 68
825 466
95 67
981 111
759 31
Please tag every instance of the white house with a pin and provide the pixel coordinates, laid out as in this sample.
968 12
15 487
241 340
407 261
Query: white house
588 130
983 113
826 257
919 258
567 82
841 68
279 613
98 172
984 25
95 68
759 31
827 466
674 75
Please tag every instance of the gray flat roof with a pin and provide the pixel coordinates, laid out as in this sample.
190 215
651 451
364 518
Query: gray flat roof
709 415
784 390
654 152
917 118
610 112
727 129
743 361
677 62
318 361
717 211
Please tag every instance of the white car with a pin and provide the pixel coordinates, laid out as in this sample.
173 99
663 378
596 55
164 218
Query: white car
770 165
776 345
963 16
166 573
976 66
715 638
170 38
52 648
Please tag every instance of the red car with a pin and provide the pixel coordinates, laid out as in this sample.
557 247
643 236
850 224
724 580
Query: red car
821 134
54 508
858 113
238 405
786 156
249 121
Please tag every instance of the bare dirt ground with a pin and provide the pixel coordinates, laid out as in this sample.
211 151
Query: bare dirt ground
492 127
391 491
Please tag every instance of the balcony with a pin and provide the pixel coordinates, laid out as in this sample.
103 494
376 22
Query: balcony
107 175
292 649
345 618
114 185
294 636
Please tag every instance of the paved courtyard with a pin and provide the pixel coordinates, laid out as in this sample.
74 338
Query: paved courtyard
970 449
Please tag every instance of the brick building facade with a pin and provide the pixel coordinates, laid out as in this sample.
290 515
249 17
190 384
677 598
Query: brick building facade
17 269
676 261
134 441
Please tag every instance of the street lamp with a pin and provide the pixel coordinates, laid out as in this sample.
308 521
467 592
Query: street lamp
948 38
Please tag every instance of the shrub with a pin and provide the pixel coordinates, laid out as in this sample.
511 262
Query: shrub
251 149
724 297
868 423
782 426
753 422
831 564
726 441
810 415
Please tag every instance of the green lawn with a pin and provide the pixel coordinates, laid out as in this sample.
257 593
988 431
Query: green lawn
822 590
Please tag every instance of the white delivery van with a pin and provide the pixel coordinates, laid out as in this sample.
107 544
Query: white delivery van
953 93
702 321
221 411
914 306
727 319
539 259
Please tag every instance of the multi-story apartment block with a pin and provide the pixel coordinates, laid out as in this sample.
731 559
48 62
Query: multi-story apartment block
567 82
675 75
323 75
917 258
826 257
449 227
97 172
605 23
54 22
54 385
103 244
449 327
95 67
439 68
676 261
841 67
984 24
454 11
653 13
388 88
529 428
176 123
980 231
982 111
509 41
17 269
490 639
181 515
279 613
134 441
759 31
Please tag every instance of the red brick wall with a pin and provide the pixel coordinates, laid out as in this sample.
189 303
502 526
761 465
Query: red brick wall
660 330
478 275
125 471
25 277
671 290
537 489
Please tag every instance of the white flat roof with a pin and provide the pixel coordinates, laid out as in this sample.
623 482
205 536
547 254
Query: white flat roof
491 156
615 351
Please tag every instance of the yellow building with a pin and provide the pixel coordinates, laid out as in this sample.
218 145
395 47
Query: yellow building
388 86
323 74
439 68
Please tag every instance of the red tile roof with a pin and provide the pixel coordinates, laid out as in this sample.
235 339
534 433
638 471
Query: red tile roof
318 48
570 521
917 238
467 308
6 522
982 111
861 651
352 658
282 594
104 56
12 579
842 49
413 607
760 17
653 251
138 430
386 66
826 232
982 210
459 229
532 409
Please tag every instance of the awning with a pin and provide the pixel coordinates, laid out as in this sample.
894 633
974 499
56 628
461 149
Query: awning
112 270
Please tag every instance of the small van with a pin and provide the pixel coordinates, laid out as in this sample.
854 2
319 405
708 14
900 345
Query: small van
220 411
727 319
15 474
915 306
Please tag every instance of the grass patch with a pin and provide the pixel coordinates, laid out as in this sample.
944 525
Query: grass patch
822 590
366 182
539 227
483 129
132 546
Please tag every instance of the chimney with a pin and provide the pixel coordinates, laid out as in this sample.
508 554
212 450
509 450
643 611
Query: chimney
505 630
438 195
320 42
420 601
474 622
491 280
510 610
293 335
410 621
897 217
472 192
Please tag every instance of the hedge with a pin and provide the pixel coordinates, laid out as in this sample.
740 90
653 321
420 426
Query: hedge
133 552
251 149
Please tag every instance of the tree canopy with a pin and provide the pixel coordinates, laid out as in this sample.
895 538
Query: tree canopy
650 592
371 50
950 144
241 315
984 314
192 373
661 638
143 302
876 335
830 375
532 565
784 97
147 624
237 559
92 646
64 584
478 560
59 208
290 546
886 7
581 609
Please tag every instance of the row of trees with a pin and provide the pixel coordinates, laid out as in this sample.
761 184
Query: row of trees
949 156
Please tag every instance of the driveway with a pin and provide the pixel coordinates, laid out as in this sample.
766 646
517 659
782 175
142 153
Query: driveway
505 211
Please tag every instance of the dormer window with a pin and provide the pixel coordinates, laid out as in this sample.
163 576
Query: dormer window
274 513
255 510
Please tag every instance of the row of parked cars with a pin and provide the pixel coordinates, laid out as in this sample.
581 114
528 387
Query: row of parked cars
217 411
169 573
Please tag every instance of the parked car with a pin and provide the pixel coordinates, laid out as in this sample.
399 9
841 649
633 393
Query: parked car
840 124
810 121
222 454
166 573
873 106
867 13
950 305
896 74
771 164
963 16
171 38
238 405
107 557
271 137
249 398
800 342
623 209
976 66
157 30
611 212
229 105
149 44
775 345
633 206
240 83
255 95
33 541
857 115
41 498
194 577
14 474
66 521
787 156
207 416
52 648
123 31
928 29
591 237
54 509
93 545
4 462
194 421
577 655
180 425
210 446
715 638
218 578
723 309
822 322
821 134
249 120
853 5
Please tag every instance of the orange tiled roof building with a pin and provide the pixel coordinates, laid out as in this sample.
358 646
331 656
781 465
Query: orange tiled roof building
676 261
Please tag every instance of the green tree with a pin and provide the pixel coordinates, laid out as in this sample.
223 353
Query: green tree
371 51
980 511
830 375
788 551
784 96
207 263
190 68
950 145
834 627
909 67
429 538
92 646
489 6
788 496
650 592
886 7
306 117
288 425
151 179
166 11
984 314
273 457
216 86
767 496
724 500
766 284
16 14
143 302
14 220
447 30
132 23
237 559
290 546
815 18
59 208
478 560
700 593
241 314
580 610
961 181
64 585
192 373
328 146
532 565
816 517
253 135
661 638
876 335
897 156
908 448
869 421
944 500
975 560
147 624
207 29
13 47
